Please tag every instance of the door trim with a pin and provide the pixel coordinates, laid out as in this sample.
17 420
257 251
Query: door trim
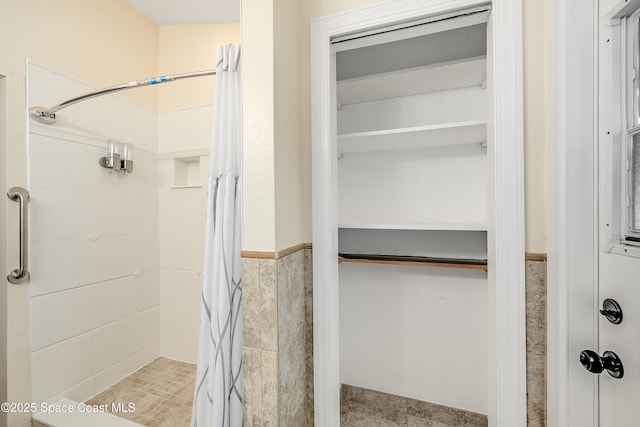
572 183
507 379
4 246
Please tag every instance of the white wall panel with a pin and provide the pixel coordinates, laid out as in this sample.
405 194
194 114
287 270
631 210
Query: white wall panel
60 366
95 242
59 316
114 343
60 264
417 332
442 184
180 288
186 129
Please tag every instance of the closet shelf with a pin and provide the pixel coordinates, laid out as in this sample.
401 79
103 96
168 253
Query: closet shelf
422 261
443 134
436 77
425 226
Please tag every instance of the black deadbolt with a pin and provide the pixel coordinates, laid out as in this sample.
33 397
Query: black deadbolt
612 311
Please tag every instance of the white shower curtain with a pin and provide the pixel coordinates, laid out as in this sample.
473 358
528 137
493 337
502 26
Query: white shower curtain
217 399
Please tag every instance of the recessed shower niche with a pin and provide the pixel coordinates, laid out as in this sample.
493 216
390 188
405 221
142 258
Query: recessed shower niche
186 172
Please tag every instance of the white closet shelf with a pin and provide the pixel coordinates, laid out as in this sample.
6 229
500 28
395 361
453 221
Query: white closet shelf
425 226
443 134
443 76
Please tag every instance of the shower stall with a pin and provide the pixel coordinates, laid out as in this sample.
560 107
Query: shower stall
117 222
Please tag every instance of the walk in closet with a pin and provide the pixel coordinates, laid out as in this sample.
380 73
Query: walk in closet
412 185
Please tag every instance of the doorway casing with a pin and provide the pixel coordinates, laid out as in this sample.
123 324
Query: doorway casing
572 123
507 379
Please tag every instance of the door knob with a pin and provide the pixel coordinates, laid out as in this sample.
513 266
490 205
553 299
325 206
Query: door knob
612 311
595 364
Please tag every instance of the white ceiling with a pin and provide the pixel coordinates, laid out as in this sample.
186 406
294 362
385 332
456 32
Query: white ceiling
172 12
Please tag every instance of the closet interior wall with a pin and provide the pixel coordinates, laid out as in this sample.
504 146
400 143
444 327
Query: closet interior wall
412 181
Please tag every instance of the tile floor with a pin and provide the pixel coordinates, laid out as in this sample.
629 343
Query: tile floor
162 392
367 408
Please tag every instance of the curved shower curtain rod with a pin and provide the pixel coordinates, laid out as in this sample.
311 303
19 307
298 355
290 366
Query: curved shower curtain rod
48 115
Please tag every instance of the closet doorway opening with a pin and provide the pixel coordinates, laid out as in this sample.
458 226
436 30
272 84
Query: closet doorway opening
418 226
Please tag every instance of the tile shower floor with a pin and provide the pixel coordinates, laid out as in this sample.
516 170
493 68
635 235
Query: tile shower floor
162 392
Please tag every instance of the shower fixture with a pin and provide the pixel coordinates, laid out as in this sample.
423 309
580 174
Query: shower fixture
48 115
119 157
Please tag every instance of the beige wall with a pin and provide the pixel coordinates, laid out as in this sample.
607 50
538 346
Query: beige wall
186 48
273 123
101 42
535 124
289 136
258 124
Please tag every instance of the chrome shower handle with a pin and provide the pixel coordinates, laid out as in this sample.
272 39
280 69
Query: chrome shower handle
21 274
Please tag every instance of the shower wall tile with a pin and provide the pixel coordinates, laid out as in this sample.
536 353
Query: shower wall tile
60 214
114 300
180 288
104 181
114 343
52 175
61 366
182 251
175 351
182 213
120 370
144 179
148 328
117 299
128 121
182 210
59 316
94 290
125 213
186 129
148 290
59 265
119 256
180 326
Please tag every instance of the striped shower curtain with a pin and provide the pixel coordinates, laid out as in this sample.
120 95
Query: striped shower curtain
217 399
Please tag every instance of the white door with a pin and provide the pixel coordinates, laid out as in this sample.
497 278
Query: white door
618 355
619 397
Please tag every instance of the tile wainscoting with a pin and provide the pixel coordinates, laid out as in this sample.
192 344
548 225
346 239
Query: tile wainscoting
536 310
278 337
274 337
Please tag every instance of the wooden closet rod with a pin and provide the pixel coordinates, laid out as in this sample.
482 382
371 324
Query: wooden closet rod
423 261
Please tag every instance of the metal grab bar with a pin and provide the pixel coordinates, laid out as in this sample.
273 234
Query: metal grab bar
21 274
